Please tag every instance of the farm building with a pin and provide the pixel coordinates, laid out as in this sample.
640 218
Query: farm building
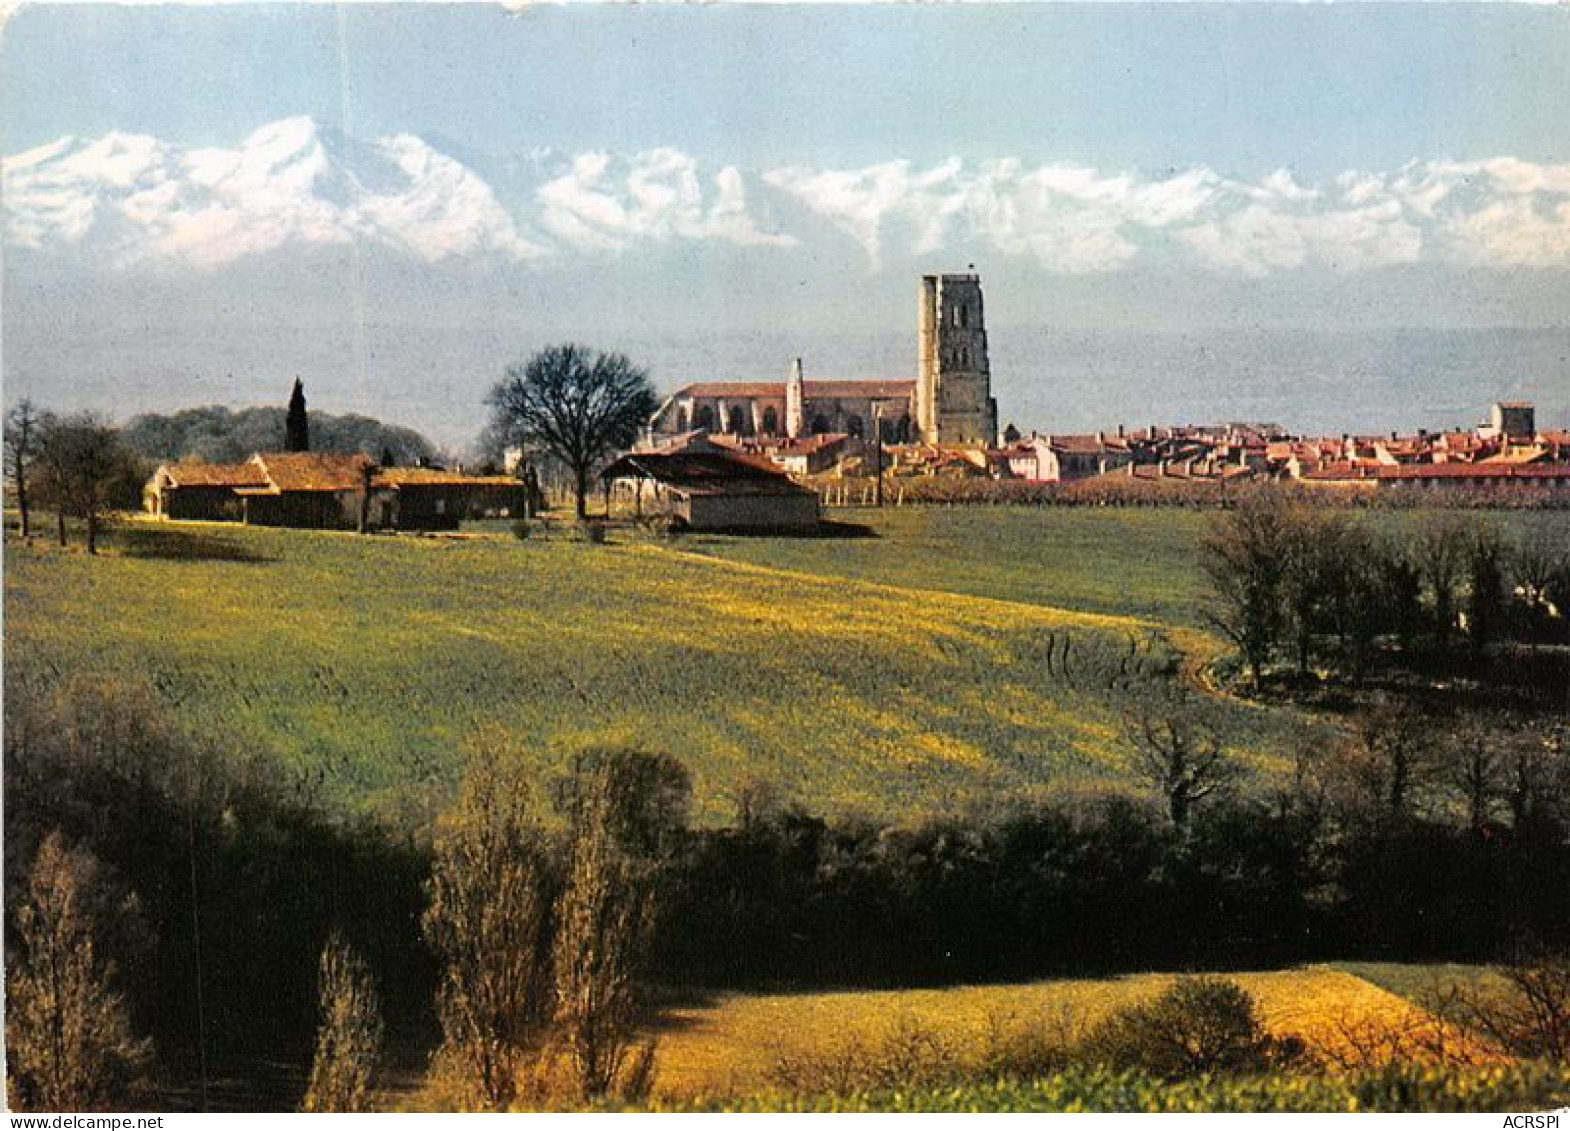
325 491
428 498
200 490
713 491
307 489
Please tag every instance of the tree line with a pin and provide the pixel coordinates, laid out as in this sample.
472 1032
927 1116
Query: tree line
172 913
215 434
1316 587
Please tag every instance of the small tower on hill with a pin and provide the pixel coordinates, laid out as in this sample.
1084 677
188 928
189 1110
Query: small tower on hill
297 426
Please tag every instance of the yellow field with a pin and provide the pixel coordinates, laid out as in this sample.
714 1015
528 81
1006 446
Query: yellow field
729 1046
362 665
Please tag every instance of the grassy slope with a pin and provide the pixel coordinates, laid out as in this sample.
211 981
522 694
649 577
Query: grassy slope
366 663
1419 983
729 1046
1128 561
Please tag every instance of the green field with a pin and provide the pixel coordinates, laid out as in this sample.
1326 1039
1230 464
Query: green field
910 672
1141 562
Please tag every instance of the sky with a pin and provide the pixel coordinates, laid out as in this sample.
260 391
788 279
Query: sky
1344 217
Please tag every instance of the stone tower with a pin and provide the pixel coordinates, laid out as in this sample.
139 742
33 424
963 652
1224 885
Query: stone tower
795 402
954 402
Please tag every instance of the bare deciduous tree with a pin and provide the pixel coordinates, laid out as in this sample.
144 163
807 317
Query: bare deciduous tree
22 425
82 470
489 922
576 404
69 1041
1528 1014
624 808
1378 770
1181 756
1244 558
1440 555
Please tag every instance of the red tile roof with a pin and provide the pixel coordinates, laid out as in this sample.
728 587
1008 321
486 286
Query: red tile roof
1518 471
704 473
437 477
214 475
311 471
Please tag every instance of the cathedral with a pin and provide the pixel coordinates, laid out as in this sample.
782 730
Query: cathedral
949 402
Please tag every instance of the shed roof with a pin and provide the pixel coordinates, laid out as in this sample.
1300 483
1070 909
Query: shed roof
703 473
396 477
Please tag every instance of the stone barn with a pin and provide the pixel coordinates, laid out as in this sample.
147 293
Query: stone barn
307 489
714 491
200 491
428 498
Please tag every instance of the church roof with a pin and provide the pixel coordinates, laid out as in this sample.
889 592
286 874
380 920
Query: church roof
815 390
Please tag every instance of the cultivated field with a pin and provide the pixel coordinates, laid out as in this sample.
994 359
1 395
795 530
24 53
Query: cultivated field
739 1045
997 657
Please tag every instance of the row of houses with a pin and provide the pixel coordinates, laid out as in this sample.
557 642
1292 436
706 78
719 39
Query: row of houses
323 490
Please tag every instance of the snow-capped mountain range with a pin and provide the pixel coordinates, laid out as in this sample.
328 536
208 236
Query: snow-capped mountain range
131 201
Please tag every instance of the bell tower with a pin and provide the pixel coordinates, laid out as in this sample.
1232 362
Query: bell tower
954 403
795 402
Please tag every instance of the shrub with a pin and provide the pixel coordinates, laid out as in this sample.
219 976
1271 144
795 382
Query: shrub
349 1041
1200 1026
667 526
1526 1011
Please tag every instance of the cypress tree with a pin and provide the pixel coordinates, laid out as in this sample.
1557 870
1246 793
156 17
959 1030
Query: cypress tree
297 428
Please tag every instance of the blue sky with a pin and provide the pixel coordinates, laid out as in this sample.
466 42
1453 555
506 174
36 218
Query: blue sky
1242 88
394 201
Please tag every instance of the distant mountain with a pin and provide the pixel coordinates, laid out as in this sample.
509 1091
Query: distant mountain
220 435
135 198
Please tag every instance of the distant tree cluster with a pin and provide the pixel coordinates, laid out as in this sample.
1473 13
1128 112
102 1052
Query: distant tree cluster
1320 587
76 466
221 435
1372 847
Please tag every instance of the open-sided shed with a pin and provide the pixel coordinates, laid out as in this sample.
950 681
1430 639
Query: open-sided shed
714 491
